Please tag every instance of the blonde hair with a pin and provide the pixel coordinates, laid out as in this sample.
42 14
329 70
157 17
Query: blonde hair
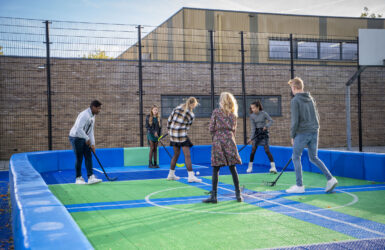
228 103
297 83
152 115
187 105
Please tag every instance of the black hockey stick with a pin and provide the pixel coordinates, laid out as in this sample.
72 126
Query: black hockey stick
104 171
272 183
252 139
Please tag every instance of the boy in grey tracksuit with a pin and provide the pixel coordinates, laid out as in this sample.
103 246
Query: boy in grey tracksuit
304 132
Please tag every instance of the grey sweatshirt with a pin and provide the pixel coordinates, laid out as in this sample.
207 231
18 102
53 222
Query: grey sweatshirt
304 115
259 121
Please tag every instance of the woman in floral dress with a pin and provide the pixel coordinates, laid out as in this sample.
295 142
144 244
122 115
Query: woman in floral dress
224 150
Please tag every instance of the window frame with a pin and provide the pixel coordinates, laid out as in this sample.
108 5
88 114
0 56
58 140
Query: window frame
341 43
216 98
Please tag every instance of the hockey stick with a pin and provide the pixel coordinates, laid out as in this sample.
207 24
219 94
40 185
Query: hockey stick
252 139
159 140
104 171
272 183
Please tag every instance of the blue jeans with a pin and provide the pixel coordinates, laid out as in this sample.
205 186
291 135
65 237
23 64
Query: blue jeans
311 141
81 148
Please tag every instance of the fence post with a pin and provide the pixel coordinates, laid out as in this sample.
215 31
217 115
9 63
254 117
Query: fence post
212 68
359 100
48 69
291 56
243 89
140 66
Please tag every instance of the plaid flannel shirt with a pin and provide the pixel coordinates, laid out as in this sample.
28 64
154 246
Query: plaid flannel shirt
178 123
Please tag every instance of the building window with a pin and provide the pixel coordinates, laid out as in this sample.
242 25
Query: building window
279 49
349 51
313 49
271 104
330 51
307 50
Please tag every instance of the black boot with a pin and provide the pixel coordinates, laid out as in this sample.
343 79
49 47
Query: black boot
212 198
213 192
238 195
150 164
234 174
156 165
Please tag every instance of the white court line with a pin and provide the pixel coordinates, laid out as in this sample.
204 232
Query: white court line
137 203
147 198
97 170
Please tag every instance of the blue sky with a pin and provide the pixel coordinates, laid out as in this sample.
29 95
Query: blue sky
154 12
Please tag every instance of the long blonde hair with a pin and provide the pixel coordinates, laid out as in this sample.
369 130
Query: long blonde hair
152 115
228 103
187 105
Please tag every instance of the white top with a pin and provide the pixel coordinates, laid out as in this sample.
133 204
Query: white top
84 126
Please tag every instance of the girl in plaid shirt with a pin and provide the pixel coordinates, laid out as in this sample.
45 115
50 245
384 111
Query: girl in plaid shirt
178 123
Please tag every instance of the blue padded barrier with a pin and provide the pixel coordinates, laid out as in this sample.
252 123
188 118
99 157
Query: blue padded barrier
374 167
201 155
47 161
39 220
165 159
348 164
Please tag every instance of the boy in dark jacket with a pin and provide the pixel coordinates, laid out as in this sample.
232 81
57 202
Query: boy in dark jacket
304 132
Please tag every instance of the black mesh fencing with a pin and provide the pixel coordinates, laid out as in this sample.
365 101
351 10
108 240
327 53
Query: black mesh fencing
51 70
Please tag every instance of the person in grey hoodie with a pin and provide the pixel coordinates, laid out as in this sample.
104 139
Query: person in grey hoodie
260 122
304 132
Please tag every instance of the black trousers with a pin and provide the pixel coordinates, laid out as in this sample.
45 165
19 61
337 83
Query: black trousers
81 149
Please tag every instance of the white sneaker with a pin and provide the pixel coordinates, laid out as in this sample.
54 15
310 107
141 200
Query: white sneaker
272 168
193 179
296 190
80 181
93 180
250 168
172 177
331 184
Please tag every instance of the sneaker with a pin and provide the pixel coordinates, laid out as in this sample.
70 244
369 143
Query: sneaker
331 184
296 190
272 168
172 177
250 168
80 181
93 180
193 179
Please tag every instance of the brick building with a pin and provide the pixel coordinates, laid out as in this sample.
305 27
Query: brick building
176 64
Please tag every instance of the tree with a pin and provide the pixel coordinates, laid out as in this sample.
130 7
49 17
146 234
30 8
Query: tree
372 15
1 51
98 54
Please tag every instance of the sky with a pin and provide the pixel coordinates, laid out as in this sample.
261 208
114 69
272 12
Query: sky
154 12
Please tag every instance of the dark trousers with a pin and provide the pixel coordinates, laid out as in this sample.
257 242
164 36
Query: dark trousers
81 149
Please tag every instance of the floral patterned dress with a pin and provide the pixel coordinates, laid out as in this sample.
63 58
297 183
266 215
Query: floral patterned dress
224 150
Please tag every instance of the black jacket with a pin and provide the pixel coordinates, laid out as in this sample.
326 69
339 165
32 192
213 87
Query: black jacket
155 127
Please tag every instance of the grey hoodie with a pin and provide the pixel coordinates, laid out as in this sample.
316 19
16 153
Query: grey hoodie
304 115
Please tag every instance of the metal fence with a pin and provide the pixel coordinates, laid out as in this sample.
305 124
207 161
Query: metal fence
51 70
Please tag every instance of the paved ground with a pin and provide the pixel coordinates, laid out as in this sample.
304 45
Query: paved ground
4 165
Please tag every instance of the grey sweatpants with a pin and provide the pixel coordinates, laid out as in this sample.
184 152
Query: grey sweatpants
309 140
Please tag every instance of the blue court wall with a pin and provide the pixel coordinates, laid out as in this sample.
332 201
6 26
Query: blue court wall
38 217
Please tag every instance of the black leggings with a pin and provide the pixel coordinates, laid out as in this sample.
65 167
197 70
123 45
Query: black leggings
153 151
267 151
234 173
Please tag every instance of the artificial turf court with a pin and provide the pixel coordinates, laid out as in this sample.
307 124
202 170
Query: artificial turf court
161 214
